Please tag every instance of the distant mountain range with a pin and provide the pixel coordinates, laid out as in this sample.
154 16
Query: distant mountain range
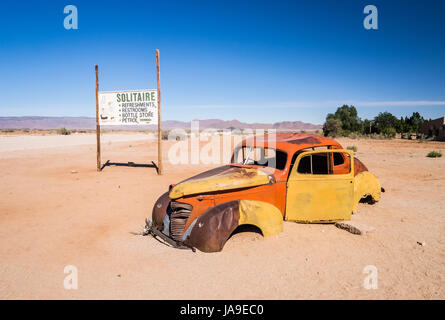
90 123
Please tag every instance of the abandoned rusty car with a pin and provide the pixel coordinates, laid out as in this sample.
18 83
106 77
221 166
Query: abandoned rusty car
293 177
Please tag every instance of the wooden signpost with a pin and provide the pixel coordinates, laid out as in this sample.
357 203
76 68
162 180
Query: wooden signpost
158 78
131 107
97 120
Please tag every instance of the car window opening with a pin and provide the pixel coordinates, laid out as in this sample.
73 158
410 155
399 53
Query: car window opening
259 156
338 159
323 163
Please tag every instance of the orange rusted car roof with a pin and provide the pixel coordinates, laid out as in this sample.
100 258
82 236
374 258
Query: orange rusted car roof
290 142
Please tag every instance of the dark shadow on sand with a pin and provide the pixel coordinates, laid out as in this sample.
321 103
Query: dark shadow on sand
130 164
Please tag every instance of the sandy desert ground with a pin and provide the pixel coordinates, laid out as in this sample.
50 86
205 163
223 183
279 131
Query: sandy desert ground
51 218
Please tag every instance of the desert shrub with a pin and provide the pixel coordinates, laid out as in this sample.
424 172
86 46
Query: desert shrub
177 134
434 154
421 137
181 137
389 133
164 135
377 136
174 134
353 148
63 131
355 135
432 138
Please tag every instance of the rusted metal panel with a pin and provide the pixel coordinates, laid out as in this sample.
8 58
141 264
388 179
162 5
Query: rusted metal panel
271 193
291 142
210 231
160 210
312 140
231 178
213 228
359 166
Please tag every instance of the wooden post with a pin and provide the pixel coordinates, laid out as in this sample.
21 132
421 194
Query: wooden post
97 120
159 115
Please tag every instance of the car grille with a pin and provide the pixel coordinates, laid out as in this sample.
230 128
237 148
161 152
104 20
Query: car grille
179 215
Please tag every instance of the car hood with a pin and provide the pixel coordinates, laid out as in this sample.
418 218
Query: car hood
220 179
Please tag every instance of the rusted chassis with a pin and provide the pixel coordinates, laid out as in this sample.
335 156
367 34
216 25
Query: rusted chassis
196 222
203 211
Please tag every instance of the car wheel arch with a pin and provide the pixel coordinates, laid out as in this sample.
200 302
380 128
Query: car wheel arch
210 231
366 184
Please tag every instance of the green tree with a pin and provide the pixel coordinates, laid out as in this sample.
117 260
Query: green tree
416 122
407 127
366 125
348 117
402 125
385 121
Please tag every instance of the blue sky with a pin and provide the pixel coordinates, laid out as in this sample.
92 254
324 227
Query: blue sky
255 61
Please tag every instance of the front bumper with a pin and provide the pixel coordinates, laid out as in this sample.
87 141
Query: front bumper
150 229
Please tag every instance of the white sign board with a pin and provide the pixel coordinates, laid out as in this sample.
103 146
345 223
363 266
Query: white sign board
134 107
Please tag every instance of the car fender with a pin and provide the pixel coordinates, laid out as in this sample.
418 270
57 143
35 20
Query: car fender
160 210
210 231
366 183
263 215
